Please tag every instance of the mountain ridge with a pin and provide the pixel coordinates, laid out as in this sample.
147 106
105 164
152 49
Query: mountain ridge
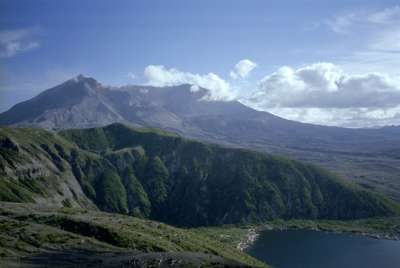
365 156
161 176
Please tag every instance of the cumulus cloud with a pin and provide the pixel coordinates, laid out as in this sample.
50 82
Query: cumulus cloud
159 75
242 69
320 92
325 85
13 42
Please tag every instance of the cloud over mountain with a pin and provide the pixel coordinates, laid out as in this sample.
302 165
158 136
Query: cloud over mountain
324 85
323 92
158 75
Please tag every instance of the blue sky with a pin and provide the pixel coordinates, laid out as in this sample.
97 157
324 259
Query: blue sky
46 42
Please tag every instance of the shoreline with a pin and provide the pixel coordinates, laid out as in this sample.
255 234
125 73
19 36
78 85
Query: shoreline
254 232
251 236
352 232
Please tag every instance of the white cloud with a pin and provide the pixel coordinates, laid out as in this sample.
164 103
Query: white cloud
158 75
242 69
323 93
131 75
13 42
346 117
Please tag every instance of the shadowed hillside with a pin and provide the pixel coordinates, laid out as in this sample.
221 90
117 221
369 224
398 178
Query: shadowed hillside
161 176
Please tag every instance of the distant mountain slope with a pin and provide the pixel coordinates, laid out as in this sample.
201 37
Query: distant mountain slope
83 102
162 176
77 102
362 155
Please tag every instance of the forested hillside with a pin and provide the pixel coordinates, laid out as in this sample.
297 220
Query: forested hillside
161 176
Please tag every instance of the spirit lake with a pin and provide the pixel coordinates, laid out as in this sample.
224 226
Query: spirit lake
314 249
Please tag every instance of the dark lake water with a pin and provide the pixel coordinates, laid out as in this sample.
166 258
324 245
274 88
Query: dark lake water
312 249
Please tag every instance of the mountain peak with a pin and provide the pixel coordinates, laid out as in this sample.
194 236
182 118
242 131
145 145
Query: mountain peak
80 78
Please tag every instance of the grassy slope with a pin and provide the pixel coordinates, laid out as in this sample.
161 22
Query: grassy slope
34 166
28 229
227 234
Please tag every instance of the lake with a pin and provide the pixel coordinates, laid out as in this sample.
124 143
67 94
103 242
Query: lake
309 249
